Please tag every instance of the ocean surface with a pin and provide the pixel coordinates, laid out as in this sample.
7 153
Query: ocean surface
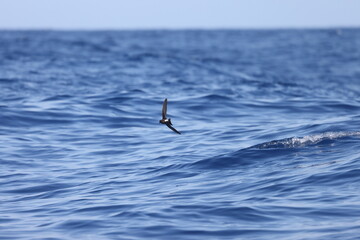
270 143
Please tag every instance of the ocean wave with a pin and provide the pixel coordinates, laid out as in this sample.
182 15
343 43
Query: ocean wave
276 149
295 142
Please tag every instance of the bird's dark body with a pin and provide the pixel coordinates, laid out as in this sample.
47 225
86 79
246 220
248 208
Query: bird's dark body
165 121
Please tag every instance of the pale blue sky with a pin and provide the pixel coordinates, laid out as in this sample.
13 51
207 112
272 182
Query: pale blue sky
170 14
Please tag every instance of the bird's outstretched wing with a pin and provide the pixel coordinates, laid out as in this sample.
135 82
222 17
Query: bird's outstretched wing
164 109
172 128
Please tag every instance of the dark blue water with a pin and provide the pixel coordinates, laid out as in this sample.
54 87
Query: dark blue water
270 143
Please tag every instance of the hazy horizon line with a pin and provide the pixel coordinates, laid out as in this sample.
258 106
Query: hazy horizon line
181 28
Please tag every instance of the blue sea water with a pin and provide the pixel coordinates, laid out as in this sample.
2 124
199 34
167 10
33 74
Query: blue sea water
270 143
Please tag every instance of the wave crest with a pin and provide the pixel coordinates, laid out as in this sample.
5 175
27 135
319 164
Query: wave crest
304 141
277 149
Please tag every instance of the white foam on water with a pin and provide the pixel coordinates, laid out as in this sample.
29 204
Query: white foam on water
306 140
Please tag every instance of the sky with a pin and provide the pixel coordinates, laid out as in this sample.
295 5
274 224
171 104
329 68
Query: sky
181 14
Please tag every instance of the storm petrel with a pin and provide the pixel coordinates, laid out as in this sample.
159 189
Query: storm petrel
165 120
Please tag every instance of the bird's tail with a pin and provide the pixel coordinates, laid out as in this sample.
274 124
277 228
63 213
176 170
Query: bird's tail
170 121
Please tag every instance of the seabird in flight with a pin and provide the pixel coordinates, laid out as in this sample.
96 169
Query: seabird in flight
165 120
